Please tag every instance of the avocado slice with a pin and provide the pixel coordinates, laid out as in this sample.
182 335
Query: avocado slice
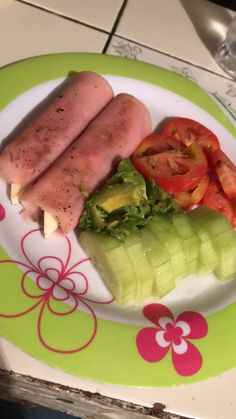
122 196
125 203
113 199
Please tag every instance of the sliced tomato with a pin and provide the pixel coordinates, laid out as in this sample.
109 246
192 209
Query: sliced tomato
156 143
174 171
187 131
187 199
234 212
226 172
216 199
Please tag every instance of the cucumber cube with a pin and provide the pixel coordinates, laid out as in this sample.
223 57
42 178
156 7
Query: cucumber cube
156 253
164 279
225 245
190 240
182 225
213 222
112 264
172 243
142 267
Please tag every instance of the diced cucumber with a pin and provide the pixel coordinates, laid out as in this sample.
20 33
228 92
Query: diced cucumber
182 225
225 245
161 262
165 233
156 253
142 267
105 241
124 276
113 265
164 279
207 254
190 240
213 222
221 257
191 246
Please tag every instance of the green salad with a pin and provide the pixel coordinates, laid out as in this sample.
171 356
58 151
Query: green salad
125 204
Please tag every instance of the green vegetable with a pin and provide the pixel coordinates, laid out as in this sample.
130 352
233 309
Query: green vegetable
190 240
143 269
125 204
223 239
112 262
148 263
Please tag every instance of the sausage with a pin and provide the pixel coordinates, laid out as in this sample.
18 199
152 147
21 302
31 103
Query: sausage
89 161
27 156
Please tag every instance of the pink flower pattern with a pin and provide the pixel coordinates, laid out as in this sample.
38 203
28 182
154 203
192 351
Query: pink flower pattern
153 343
2 212
56 281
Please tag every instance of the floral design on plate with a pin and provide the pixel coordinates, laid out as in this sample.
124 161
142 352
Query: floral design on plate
56 281
153 343
2 212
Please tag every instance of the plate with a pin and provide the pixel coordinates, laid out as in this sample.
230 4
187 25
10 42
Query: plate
53 304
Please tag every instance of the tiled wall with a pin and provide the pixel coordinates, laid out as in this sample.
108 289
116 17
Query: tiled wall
181 35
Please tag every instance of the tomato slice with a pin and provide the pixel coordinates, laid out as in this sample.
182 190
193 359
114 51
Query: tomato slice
156 143
187 131
188 199
216 199
226 172
234 212
174 171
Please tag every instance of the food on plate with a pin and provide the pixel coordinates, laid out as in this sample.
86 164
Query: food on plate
223 238
125 203
173 166
187 199
216 199
91 159
189 239
186 160
53 129
225 171
150 262
188 131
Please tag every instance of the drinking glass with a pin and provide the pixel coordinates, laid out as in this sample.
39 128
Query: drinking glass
226 53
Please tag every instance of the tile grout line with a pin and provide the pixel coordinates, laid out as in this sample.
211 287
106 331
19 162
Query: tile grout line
174 57
71 19
114 27
112 33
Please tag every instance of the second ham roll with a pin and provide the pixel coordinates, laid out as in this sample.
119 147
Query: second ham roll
89 161
28 155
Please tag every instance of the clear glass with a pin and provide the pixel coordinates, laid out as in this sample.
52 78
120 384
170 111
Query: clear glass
226 53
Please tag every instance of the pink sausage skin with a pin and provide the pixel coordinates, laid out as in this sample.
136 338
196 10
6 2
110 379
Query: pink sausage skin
89 161
28 155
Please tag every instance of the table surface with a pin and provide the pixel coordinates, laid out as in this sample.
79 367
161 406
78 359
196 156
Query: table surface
118 27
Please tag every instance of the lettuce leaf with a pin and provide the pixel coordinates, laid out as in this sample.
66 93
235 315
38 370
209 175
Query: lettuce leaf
126 219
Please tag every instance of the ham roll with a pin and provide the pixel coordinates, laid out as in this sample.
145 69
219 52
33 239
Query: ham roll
88 162
28 155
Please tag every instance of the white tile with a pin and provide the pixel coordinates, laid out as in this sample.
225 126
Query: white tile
26 31
186 29
222 87
99 13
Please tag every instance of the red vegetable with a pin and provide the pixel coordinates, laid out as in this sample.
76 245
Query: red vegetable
226 172
185 159
216 199
174 170
188 131
192 197
156 143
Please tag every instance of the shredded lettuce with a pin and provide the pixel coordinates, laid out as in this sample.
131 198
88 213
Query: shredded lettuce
127 219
